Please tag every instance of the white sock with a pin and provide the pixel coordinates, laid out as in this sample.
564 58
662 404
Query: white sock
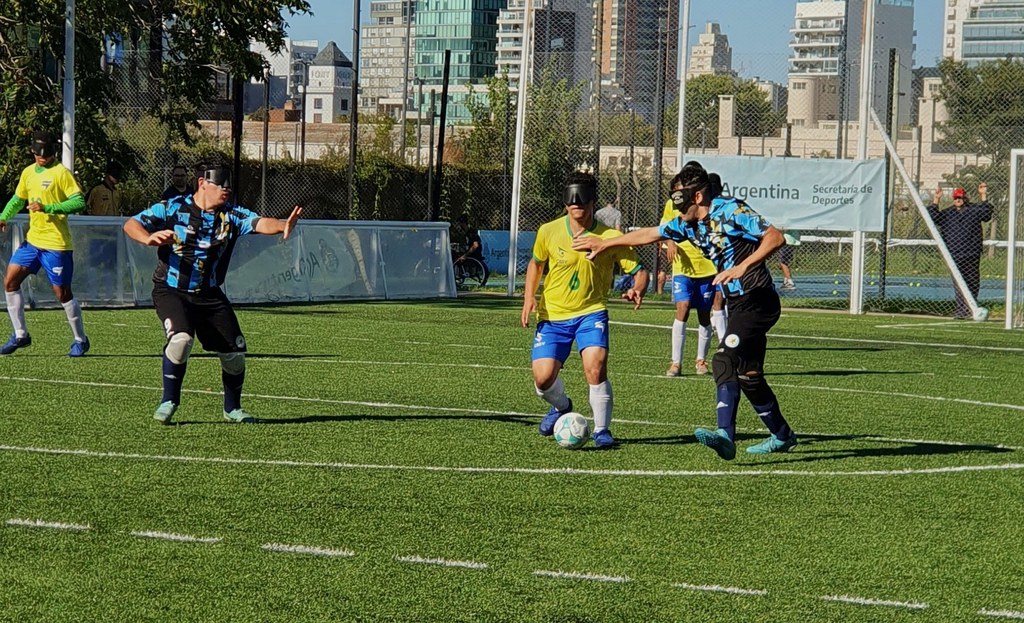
601 403
678 340
703 341
718 322
74 312
16 310
555 395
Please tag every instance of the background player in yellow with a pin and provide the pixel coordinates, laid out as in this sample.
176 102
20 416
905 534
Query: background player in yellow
573 306
50 193
692 276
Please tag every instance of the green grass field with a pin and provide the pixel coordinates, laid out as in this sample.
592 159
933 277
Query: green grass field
397 457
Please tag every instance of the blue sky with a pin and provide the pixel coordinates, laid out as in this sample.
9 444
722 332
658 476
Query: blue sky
758 30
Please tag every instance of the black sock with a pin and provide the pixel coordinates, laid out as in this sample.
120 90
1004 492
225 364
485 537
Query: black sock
174 376
232 390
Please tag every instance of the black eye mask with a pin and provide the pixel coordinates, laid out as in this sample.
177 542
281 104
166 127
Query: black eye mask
682 198
578 194
218 176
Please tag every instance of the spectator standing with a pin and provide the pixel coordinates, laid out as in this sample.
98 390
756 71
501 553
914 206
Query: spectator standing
610 217
179 184
960 227
104 199
785 255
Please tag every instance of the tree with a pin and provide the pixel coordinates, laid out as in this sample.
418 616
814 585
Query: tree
176 47
986 117
552 148
754 115
491 119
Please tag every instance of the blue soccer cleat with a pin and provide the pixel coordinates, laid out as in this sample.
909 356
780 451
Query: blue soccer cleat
239 416
603 439
547 424
717 440
165 412
79 348
772 445
15 343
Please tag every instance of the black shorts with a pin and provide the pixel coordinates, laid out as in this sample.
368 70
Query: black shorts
785 255
751 315
207 315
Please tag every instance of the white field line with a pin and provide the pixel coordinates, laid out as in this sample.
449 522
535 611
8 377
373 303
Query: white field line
1003 614
836 390
572 575
56 525
170 536
850 340
307 550
862 601
714 588
442 562
529 471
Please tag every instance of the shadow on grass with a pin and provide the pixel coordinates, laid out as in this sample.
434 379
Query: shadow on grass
814 448
520 420
861 349
841 372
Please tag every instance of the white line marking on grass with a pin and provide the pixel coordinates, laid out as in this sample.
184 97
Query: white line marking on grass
739 472
56 525
443 562
1003 614
862 601
572 575
308 550
170 536
851 340
713 588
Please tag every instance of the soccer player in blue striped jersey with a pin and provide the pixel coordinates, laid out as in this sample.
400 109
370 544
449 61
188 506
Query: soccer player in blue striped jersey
728 232
195 235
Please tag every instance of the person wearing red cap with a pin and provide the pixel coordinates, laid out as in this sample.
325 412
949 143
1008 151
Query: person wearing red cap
960 226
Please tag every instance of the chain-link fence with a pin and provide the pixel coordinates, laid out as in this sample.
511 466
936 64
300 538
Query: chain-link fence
602 94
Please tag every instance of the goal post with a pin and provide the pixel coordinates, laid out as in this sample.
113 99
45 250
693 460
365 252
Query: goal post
1014 250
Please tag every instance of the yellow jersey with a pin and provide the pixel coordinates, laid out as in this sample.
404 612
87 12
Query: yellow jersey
574 285
48 185
688 261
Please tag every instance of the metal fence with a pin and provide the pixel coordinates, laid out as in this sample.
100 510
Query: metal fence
601 92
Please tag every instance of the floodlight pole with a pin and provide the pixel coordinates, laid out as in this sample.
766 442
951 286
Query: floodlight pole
68 140
867 57
684 44
353 124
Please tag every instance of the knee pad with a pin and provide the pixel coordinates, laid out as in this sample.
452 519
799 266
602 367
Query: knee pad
723 365
179 347
232 363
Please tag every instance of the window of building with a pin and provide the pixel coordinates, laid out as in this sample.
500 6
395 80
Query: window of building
318 103
318 118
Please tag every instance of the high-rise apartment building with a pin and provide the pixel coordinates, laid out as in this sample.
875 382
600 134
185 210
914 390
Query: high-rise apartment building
976 31
382 65
634 32
562 30
825 58
289 64
712 55
469 28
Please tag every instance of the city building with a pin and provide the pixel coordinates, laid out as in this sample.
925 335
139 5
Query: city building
469 28
329 87
561 39
976 31
634 31
382 75
824 72
712 55
287 69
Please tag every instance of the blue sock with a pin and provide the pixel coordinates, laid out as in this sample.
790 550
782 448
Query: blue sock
728 394
232 390
174 376
771 415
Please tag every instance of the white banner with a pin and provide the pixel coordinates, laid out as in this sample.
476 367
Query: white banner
806 194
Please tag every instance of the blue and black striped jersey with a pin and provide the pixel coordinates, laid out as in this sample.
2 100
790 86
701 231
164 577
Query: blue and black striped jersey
731 232
203 241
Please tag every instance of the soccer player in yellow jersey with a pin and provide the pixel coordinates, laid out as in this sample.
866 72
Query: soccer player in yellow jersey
573 305
50 193
692 276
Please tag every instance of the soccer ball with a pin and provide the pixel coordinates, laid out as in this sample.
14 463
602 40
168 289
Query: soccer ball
572 431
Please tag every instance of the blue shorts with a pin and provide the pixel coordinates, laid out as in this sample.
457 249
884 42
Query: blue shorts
699 291
59 265
554 338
